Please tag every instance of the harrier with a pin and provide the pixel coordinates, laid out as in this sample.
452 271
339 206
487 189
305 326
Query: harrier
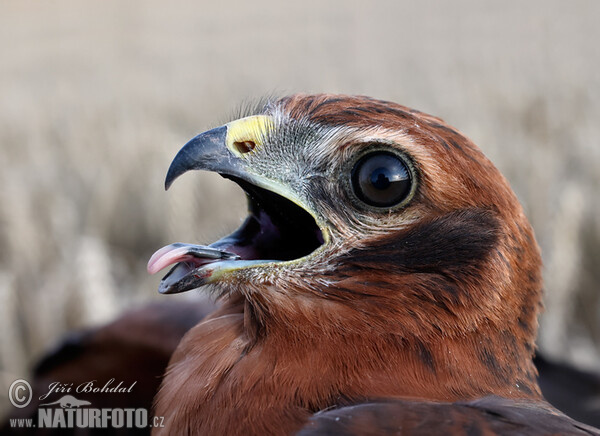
385 281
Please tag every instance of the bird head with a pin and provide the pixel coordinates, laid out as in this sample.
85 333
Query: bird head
364 216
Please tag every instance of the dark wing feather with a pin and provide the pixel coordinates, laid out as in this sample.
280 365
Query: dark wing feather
487 416
136 347
575 392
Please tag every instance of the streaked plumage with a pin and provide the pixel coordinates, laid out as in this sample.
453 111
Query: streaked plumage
336 301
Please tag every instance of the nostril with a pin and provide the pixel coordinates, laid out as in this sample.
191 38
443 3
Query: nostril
244 146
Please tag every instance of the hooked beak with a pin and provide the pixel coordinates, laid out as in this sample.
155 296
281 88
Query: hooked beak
277 229
206 151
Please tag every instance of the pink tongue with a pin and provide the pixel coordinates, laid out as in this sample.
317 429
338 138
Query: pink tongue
168 256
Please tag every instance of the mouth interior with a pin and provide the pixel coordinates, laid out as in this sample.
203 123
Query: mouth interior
276 229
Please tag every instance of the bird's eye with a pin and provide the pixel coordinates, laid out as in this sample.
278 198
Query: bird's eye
381 179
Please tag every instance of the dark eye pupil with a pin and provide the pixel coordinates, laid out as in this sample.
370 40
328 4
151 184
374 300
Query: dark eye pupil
381 179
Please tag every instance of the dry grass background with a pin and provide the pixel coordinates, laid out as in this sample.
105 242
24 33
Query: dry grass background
97 97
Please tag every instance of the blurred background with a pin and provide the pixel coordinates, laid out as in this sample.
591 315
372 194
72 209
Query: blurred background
97 97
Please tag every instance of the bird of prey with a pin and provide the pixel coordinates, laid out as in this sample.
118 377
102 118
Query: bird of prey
385 281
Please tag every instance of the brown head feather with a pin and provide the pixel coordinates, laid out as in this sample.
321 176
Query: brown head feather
435 301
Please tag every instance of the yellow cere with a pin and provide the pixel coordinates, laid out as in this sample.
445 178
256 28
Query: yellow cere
245 134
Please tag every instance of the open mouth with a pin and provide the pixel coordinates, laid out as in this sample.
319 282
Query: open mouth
276 230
